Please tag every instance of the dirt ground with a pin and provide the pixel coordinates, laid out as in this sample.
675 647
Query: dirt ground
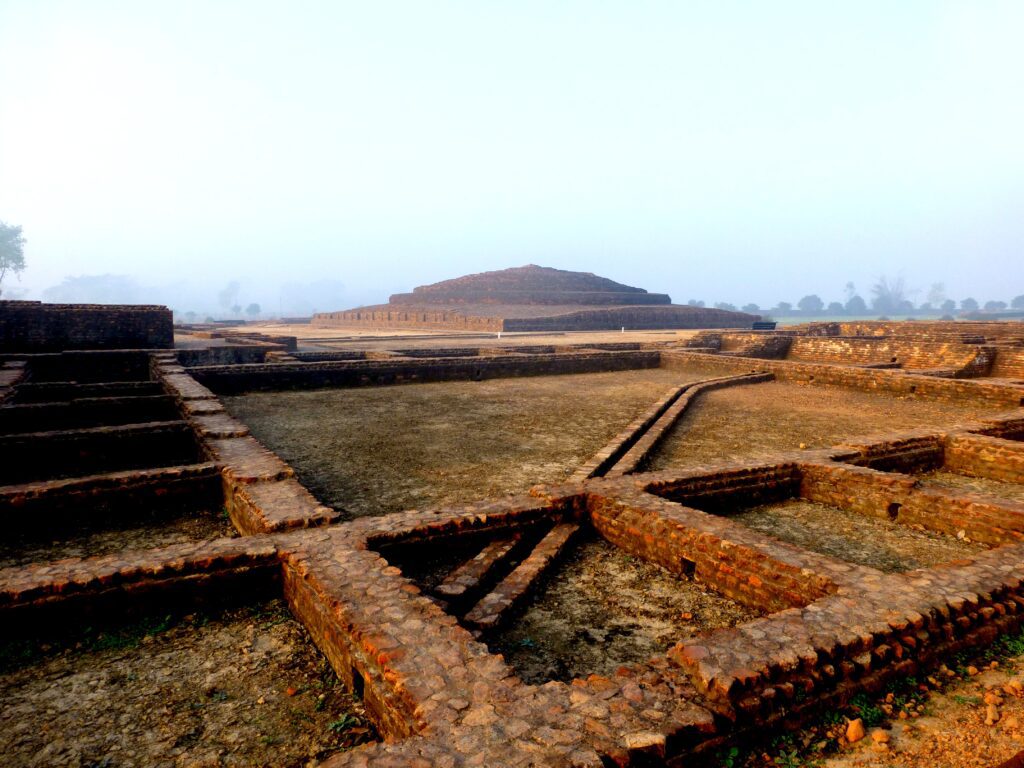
962 483
384 449
603 608
967 715
853 537
752 422
157 532
241 688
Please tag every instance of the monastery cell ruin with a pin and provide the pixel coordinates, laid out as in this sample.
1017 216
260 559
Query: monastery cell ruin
521 518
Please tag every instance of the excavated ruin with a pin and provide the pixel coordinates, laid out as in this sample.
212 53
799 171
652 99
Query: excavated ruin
631 594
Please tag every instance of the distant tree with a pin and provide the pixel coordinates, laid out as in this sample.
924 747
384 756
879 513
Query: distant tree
811 304
95 289
888 296
995 306
227 297
856 306
948 306
937 294
784 308
236 309
695 303
12 250
927 307
969 305
905 305
754 309
850 290
253 309
190 317
835 308
1018 302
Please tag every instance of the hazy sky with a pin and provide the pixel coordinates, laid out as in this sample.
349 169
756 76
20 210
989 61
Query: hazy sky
737 151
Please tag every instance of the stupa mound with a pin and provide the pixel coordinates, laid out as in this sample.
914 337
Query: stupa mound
532 298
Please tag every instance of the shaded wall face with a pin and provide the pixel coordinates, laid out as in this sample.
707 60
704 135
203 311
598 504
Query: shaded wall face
31 326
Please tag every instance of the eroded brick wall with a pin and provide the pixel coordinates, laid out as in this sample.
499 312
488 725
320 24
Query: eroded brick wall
968 358
31 326
865 379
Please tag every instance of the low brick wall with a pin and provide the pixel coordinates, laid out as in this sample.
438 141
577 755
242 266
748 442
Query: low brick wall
79 452
967 359
1009 363
684 541
898 497
984 456
400 318
865 379
31 326
233 379
87 367
261 494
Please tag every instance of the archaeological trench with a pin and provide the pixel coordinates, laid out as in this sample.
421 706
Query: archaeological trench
748 528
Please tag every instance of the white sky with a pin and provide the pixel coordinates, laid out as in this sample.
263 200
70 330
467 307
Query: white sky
737 151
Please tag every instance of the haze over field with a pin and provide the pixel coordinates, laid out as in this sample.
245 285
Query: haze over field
328 154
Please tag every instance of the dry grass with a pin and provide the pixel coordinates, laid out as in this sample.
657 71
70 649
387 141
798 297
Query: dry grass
380 450
757 421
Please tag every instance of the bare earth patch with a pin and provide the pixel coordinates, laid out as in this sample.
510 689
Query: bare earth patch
967 715
158 532
951 729
854 538
385 449
949 481
603 608
241 688
746 423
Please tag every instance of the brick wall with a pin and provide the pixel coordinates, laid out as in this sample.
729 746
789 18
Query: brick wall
865 379
1009 363
31 326
230 379
970 358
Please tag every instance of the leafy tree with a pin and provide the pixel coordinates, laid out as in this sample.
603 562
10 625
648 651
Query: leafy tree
969 305
948 306
754 309
784 307
856 306
236 309
12 250
888 296
927 307
253 309
694 303
850 290
725 305
995 306
1018 302
835 308
937 294
811 304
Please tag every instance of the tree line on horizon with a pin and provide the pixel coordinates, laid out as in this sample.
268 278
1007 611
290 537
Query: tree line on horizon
888 297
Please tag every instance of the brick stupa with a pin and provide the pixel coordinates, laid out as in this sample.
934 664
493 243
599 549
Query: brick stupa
532 298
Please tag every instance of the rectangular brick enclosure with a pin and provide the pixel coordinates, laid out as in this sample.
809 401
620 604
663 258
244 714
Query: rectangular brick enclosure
548 551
